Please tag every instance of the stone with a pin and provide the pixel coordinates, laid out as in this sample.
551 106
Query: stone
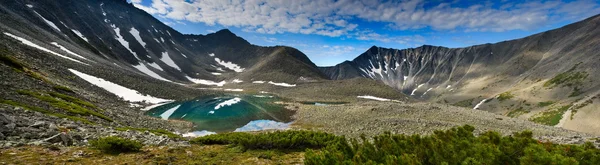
52 126
5 119
66 139
38 124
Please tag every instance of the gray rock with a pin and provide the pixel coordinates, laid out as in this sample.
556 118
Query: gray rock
5 119
53 139
1 136
11 126
52 126
38 124
66 139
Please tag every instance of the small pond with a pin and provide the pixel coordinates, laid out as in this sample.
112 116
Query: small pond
227 113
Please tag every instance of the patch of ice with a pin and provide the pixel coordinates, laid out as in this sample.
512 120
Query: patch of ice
165 58
67 50
198 133
234 90
448 86
155 105
80 35
414 90
211 112
263 92
258 82
155 65
212 54
216 73
136 35
29 43
161 39
228 103
29 5
142 68
282 84
229 65
479 104
123 92
373 98
157 41
48 21
237 81
168 113
205 82
122 40
259 125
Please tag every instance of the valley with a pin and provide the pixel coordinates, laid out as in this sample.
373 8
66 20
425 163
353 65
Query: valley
74 73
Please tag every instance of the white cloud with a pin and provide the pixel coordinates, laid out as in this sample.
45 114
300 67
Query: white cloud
335 17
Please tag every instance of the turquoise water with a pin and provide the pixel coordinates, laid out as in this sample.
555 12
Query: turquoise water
227 113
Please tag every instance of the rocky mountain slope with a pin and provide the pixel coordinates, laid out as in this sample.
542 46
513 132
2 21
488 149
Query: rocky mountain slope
549 78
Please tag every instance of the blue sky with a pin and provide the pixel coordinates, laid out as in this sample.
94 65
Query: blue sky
331 31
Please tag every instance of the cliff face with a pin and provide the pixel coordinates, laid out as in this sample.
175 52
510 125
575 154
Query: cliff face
558 66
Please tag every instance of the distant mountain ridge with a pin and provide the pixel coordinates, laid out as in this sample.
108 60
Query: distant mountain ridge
119 33
509 77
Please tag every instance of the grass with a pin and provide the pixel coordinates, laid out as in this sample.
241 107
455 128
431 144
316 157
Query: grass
517 112
41 110
505 96
464 103
64 104
154 131
545 103
73 99
551 117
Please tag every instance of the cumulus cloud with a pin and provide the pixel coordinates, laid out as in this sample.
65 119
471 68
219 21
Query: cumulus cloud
337 17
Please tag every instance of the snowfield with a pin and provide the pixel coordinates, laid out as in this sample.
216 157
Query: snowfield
228 103
282 84
122 41
229 65
67 50
205 82
165 58
165 115
123 92
142 68
155 65
80 35
50 23
29 43
136 35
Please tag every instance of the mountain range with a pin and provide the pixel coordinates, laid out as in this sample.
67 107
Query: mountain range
97 50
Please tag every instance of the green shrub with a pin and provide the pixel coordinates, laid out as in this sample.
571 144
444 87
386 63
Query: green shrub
546 103
41 110
283 140
551 117
505 96
454 146
116 145
67 105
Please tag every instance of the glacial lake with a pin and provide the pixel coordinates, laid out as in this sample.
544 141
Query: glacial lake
227 113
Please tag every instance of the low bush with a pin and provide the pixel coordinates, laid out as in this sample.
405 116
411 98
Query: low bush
454 146
116 145
282 140
505 96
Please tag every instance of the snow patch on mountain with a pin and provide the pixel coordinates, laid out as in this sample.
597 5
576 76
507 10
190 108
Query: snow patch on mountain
258 82
212 54
155 65
229 65
234 90
205 82
67 50
29 43
165 58
259 125
80 35
123 92
142 68
237 81
136 35
228 103
373 98
122 40
29 5
479 104
216 73
282 84
414 90
50 23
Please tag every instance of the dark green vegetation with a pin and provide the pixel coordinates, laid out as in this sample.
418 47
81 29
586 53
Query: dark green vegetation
116 145
545 103
280 140
464 103
18 65
517 112
570 78
67 103
454 146
154 131
505 96
551 117
41 110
